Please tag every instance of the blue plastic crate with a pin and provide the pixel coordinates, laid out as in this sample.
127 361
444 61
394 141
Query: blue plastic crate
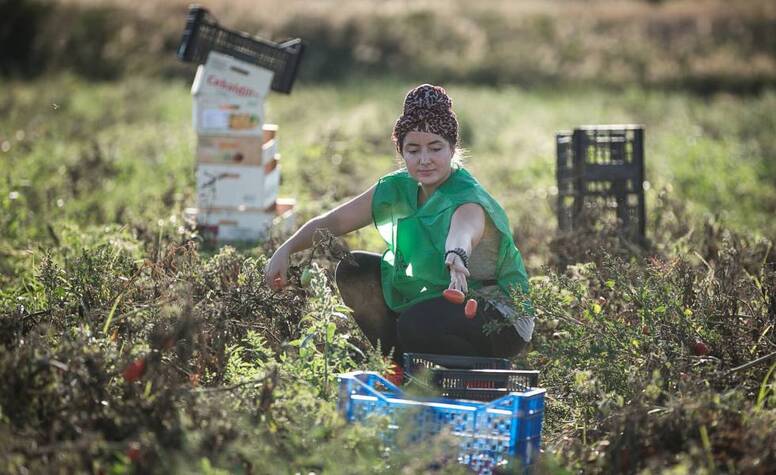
488 433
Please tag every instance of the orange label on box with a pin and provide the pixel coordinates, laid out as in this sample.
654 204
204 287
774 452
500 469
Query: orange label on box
227 150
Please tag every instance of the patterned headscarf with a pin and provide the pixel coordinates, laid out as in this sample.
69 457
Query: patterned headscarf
427 108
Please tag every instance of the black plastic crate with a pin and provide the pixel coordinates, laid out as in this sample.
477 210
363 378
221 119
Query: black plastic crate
600 169
413 362
203 34
467 377
482 384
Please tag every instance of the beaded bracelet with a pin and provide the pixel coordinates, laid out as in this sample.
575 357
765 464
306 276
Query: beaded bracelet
458 251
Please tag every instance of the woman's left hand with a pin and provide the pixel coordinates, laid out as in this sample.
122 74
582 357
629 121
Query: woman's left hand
458 273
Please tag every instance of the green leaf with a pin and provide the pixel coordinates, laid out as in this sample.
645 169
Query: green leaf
310 317
147 390
306 339
110 315
339 315
356 349
764 389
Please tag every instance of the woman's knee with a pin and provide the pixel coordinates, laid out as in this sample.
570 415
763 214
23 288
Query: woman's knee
507 343
358 266
358 280
415 327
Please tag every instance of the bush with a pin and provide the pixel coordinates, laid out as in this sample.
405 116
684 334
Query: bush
20 28
646 358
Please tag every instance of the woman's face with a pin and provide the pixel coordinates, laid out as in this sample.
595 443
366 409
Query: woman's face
428 157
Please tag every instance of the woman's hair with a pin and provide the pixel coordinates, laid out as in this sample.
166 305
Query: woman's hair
427 108
459 156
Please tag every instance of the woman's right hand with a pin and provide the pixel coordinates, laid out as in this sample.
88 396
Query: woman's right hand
458 273
276 272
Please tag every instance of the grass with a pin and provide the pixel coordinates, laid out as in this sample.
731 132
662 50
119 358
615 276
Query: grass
131 146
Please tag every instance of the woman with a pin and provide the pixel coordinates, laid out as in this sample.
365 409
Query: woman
443 231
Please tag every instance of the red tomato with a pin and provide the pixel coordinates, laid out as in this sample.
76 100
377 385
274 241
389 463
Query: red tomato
134 370
454 296
471 309
395 374
168 342
133 452
700 348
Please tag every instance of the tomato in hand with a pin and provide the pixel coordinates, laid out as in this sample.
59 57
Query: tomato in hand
471 309
454 296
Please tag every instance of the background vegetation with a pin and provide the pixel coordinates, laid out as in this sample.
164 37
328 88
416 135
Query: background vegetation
127 346
704 45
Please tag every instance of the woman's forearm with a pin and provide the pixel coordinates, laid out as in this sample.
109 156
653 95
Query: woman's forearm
275 274
462 239
343 219
347 217
303 238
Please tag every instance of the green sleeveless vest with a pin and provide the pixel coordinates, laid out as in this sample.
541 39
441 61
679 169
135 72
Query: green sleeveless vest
413 268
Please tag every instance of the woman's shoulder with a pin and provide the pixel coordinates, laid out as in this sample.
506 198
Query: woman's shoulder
392 188
463 185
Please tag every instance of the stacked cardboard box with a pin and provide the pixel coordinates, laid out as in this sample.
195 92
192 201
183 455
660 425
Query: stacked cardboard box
238 170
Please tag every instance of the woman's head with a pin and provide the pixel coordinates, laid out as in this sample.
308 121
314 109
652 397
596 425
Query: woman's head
426 134
429 109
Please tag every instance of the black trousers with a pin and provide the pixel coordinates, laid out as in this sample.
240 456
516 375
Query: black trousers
433 326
